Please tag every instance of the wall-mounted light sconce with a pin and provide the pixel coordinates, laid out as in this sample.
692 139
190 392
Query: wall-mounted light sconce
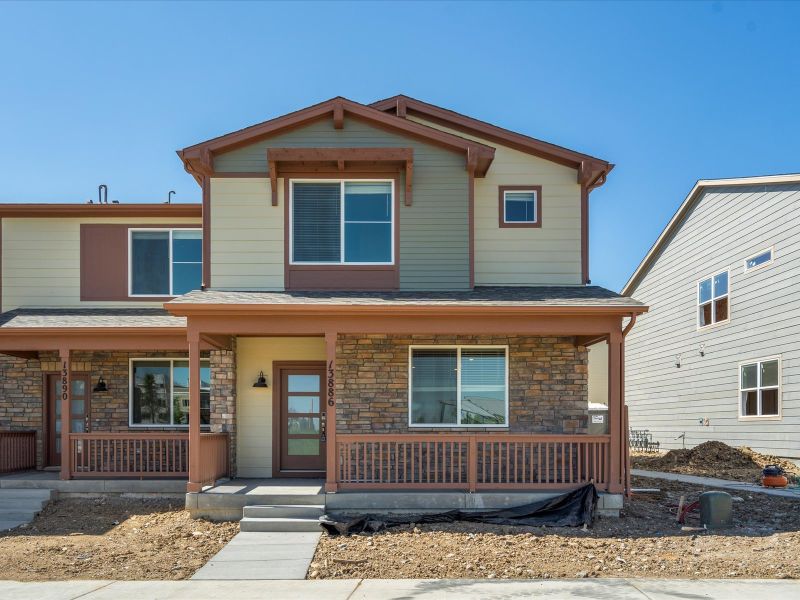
101 385
702 349
261 382
678 361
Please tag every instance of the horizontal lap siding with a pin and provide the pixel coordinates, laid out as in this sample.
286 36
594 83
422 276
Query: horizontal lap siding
550 255
726 226
41 261
434 233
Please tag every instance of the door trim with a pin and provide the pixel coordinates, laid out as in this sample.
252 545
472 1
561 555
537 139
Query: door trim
47 422
277 367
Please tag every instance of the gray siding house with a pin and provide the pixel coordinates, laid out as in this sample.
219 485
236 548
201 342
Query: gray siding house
718 355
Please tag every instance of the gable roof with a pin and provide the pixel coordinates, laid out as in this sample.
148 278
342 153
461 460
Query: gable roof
594 169
689 202
198 158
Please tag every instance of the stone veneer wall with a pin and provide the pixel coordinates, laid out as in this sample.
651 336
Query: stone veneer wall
548 381
22 394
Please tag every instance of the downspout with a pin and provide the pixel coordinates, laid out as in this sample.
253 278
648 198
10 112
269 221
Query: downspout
629 326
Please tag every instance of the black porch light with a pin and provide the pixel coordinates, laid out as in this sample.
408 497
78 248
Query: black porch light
101 385
261 382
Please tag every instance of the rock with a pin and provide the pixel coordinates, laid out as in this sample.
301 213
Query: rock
581 574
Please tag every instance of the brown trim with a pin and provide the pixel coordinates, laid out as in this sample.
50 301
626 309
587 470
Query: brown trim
403 105
206 185
198 158
341 277
501 205
277 367
104 260
22 339
100 211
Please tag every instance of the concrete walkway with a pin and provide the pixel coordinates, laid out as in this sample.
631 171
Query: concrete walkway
257 555
406 589
738 486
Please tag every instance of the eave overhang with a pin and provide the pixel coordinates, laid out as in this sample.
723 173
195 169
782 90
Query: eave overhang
63 210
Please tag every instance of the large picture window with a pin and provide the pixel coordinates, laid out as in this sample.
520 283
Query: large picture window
459 386
712 299
759 388
165 262
159 395
342 222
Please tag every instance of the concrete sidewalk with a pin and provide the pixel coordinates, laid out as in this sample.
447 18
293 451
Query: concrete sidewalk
406 589
726 484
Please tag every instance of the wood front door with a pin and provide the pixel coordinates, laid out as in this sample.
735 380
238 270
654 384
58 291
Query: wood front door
301 421
78 417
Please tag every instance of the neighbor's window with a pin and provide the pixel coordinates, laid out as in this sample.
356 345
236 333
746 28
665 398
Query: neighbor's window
712 299
342 222
464 385
759 388
520 206
160 392
165 262
760 259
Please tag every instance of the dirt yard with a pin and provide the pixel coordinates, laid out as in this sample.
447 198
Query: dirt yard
715 459
111 538
645 542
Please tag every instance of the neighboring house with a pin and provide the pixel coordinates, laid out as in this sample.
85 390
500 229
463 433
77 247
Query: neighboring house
717 356
393 296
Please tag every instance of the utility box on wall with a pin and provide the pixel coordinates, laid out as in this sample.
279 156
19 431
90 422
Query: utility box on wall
598 419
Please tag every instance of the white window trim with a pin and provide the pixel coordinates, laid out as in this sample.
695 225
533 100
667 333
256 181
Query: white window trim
535 206
169 230
771 251
458 349
757 362
171 361
342 183
713 298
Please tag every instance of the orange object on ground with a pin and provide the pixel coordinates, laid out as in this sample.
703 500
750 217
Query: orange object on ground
774 481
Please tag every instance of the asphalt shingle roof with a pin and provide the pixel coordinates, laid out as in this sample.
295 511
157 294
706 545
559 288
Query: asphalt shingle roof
89 317
567 296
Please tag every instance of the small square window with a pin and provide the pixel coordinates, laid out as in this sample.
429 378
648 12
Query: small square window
521 206
759 388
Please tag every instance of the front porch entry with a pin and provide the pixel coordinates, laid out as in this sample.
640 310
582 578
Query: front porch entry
79 413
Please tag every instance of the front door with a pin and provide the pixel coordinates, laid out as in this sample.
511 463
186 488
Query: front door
302 404
78 418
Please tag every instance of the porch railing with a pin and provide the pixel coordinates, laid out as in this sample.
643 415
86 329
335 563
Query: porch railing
214 461
471 461
129 455
17 451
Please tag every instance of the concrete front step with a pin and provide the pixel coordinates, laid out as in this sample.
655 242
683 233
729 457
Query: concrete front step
27 493
278 524
18 506
282 511
17 514
23 503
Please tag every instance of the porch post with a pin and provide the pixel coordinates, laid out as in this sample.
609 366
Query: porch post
615 402
194 484
66 412
331 466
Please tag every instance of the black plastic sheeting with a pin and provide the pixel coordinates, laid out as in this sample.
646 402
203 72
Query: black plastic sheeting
573 509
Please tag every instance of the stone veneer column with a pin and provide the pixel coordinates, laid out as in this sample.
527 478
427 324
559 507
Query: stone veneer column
223 397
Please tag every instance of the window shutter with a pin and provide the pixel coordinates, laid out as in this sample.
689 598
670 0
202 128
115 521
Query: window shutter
104 262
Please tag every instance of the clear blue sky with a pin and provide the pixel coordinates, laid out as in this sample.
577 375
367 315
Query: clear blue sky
673 92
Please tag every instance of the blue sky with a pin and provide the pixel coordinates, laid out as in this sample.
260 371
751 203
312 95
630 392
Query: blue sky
673 92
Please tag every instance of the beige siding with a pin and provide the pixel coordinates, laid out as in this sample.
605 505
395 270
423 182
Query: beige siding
41 261
246 235
598 373
254 405
526 256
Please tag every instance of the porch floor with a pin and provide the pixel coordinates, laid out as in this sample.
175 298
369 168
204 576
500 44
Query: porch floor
268 487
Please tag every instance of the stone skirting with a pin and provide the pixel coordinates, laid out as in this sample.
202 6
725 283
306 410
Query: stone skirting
548 382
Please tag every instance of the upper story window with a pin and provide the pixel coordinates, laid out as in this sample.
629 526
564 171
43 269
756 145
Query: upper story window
762 259
759 388
712 299
165 262
520 206
160 392
342 222
459 386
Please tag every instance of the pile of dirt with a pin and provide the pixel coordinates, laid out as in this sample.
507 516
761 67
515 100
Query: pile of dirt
714 459
111 538
645 542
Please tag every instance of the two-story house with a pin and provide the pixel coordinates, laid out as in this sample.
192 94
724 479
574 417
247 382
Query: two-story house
384 296
716 357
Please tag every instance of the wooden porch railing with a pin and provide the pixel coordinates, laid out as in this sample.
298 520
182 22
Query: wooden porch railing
17 451
129 455
471 461
214 461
